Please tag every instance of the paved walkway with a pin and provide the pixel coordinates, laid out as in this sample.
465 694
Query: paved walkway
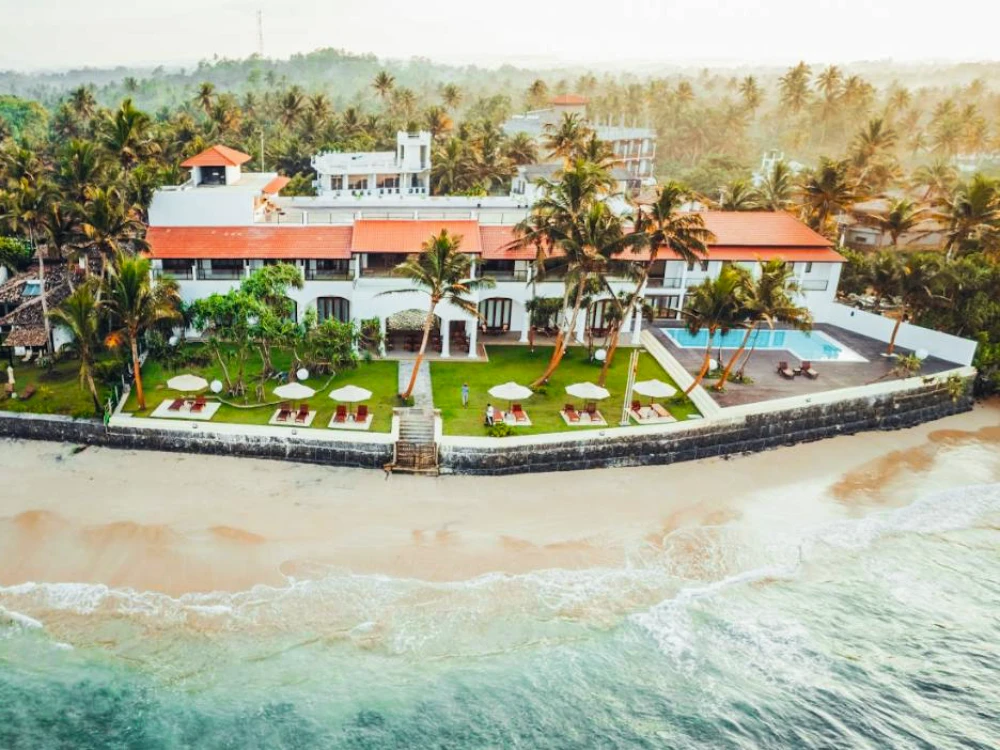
423 396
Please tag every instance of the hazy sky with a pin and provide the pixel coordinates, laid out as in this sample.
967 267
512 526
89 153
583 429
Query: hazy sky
61 33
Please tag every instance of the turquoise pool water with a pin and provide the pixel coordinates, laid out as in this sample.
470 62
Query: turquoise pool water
805 345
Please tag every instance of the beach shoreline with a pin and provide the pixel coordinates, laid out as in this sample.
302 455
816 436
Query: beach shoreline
179 523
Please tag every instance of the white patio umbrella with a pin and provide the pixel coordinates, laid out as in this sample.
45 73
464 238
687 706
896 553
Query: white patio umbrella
350 394
187 383
294 391
510 392
587 391
654 389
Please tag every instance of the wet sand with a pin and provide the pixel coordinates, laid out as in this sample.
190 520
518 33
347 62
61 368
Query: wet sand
177 523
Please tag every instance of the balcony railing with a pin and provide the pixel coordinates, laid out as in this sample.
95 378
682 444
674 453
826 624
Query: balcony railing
179 274
505 275
672 282
815 285
375 273
694 281
220 274
332 274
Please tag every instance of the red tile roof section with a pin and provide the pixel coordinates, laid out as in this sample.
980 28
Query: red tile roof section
289 243
407 236
570 100
761 228
276 185
217 156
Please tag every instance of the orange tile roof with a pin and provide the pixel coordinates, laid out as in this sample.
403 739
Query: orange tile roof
758 252
276 185
290 242
761 228
217 156
407 236
495 241
570 99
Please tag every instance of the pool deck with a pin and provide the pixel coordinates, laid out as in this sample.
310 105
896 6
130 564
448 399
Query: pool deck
768 384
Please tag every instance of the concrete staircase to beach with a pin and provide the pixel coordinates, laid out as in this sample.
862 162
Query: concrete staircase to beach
416 450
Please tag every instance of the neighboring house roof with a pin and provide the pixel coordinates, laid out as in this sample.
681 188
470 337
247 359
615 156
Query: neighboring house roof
34 336
27 321
217 156
289 242
495 242
276 185
395 236
570 100
761 229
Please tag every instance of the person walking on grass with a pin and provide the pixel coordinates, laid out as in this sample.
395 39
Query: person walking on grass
489 415
465 395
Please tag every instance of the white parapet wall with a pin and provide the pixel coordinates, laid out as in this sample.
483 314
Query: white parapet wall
941 345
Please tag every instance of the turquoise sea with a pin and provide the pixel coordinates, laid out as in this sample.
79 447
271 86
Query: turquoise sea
875 632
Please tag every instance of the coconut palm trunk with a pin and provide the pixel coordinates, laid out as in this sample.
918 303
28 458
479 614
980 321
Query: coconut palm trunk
428 324
704 365
136 372
895 331
562 339
732 360
44 297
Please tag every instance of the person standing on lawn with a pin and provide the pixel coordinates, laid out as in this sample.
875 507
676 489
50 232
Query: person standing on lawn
465 395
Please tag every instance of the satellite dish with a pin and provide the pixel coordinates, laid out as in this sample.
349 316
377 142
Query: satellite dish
302 374
216 386
922 354
601 354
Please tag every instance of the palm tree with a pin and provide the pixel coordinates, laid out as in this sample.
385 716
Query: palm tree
127 135
794 87
441 270
109 225
973 212
451 167
938 179
135 303
538 94
567 137
901 217
79 315
777 191
383 84
739 195
769 299
292 106
205 97
451 95
83 102
713 306
911 279
437 121
521 149
81 165
826 192
751 93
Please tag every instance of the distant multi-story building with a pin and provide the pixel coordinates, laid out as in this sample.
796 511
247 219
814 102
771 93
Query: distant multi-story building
634 148
405 171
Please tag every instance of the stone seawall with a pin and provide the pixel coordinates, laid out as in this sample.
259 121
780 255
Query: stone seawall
755 432
286 448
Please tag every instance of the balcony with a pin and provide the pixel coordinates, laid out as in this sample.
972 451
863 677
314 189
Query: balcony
221 274
178 274
329 274
504 275
672 282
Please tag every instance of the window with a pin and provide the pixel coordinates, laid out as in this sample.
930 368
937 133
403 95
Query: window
337 182
703 264
213 175
337 308
809 267
358 183
31 289
495 313
665 307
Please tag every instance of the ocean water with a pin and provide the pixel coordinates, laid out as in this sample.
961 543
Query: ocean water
881 631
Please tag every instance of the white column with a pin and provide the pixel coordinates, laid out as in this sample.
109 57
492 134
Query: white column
525 324
472 266
581 325
445 338
357 266
473 337
382 325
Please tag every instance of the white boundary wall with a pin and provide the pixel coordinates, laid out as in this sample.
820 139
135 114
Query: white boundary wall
941 345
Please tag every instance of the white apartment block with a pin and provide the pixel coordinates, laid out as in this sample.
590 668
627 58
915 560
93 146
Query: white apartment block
212 231
405 171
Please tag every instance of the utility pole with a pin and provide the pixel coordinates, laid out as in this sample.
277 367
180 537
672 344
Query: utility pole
260 34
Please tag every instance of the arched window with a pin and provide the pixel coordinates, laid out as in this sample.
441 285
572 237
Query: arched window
600 315
337 308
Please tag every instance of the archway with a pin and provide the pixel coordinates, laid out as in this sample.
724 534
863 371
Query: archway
338 308
495 314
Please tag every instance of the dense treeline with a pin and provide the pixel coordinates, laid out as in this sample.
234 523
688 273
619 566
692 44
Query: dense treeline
79 165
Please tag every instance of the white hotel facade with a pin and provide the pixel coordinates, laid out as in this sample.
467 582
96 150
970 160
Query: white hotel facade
212 231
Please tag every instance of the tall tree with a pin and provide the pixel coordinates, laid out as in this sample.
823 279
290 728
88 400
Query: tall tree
714 307
383 84
442 272
826 192
135 303
78 313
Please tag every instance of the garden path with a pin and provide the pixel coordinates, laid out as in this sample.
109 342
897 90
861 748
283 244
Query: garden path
423 396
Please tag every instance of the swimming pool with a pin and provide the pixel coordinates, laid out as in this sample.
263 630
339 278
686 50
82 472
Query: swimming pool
811 345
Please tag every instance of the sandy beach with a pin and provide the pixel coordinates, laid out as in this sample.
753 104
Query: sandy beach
176 523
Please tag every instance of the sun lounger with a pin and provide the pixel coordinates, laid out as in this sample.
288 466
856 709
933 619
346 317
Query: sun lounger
302 415
362 415
199 405
284 412
176 404
591 409
659 411
28 393
807 369
571 413
519 415
341 415
785 371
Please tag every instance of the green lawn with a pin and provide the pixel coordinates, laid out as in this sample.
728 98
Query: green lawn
58 390
519 364
379 376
